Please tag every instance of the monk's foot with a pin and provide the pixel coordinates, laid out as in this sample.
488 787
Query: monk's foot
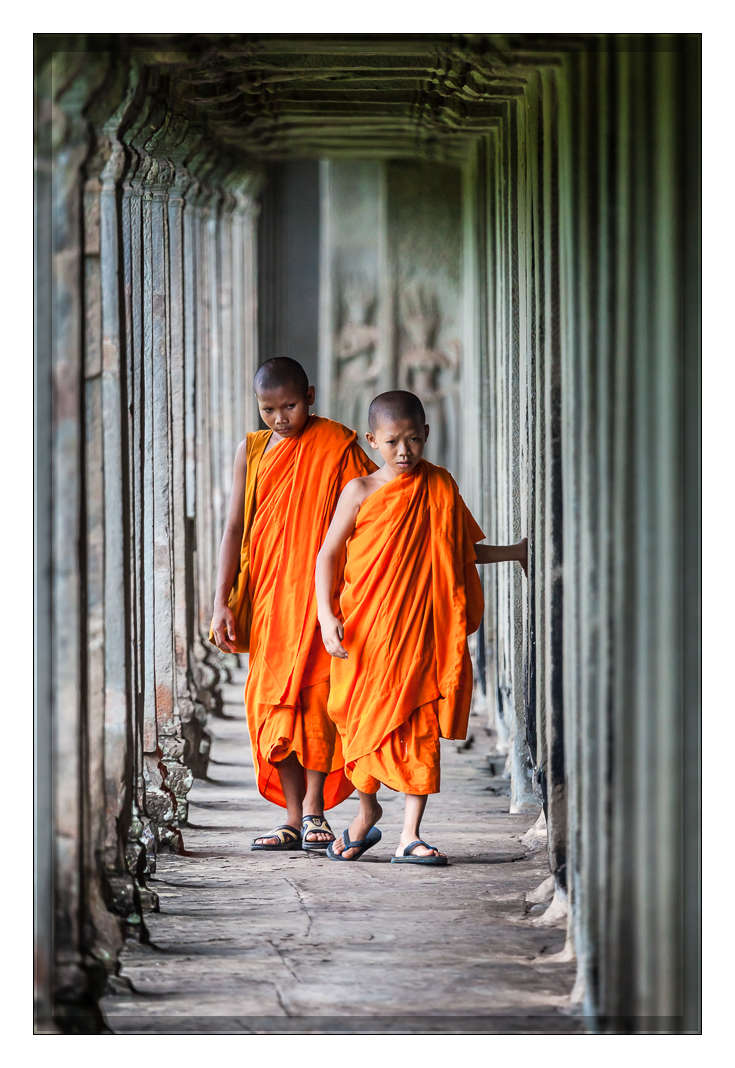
366 818
418 851
265 839
315 828
287 836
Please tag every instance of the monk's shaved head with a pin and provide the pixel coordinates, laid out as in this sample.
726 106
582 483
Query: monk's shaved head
394 405
278 372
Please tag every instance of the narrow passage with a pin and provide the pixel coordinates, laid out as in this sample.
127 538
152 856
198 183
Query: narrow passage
287 942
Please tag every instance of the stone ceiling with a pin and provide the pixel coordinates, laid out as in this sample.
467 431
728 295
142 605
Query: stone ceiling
382 96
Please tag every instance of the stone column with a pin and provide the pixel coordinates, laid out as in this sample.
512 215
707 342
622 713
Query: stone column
183 697
191 741
509 354
108 729
245 301
226 421
157 705
141 841
204 656
43 830
629 202
512 478
192 710
72 977
216 503
545 527
240 385
250 309
70 149
118 728
486 284
245 189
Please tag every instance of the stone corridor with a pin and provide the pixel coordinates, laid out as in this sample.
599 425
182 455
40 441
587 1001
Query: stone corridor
509 226
255 942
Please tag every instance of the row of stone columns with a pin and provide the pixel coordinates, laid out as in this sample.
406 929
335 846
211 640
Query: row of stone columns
146 241
587 260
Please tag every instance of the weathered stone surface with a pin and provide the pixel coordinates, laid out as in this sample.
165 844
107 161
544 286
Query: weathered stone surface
274 942
390 301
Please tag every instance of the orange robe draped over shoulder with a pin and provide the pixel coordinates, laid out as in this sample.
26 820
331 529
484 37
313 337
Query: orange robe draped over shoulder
298 483
411 596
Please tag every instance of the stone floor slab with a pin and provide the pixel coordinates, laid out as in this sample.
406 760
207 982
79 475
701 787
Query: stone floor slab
253 942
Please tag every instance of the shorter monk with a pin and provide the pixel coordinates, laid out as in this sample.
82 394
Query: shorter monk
401 674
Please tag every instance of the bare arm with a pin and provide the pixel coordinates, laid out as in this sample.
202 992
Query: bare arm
497 554
342 525
223 622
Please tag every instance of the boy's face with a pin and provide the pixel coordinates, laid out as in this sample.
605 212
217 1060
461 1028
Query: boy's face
285 410
400 442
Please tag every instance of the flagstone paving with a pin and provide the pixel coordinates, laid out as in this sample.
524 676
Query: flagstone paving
253 942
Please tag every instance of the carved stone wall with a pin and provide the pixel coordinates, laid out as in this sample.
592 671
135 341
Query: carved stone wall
355 335
425 252
146 308
391 248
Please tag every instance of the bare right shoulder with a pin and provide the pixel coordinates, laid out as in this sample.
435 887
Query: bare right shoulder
357 490
241 453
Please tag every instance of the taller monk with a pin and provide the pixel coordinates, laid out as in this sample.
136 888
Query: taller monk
286 483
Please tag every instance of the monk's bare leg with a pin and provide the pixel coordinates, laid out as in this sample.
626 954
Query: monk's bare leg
291 775
368 815
415 805
314 803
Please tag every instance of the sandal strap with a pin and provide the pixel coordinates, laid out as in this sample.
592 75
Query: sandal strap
412 845
317 823
310 824
283 833
349 844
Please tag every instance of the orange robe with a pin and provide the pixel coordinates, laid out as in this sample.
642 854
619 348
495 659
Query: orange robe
298 484
411 596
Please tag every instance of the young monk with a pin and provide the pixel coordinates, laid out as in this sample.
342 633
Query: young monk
286 483
401 674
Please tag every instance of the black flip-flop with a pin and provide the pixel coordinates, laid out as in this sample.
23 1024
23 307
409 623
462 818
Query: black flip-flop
288 838
371 838
406 858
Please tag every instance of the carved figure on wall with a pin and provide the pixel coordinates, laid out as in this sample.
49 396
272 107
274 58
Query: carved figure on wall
429 371
358 363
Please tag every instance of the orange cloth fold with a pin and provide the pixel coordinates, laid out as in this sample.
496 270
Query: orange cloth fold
304 729
239 600
299 481
407 760
411 596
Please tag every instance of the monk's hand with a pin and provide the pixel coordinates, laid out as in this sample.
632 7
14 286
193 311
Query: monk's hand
223 628
332 634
